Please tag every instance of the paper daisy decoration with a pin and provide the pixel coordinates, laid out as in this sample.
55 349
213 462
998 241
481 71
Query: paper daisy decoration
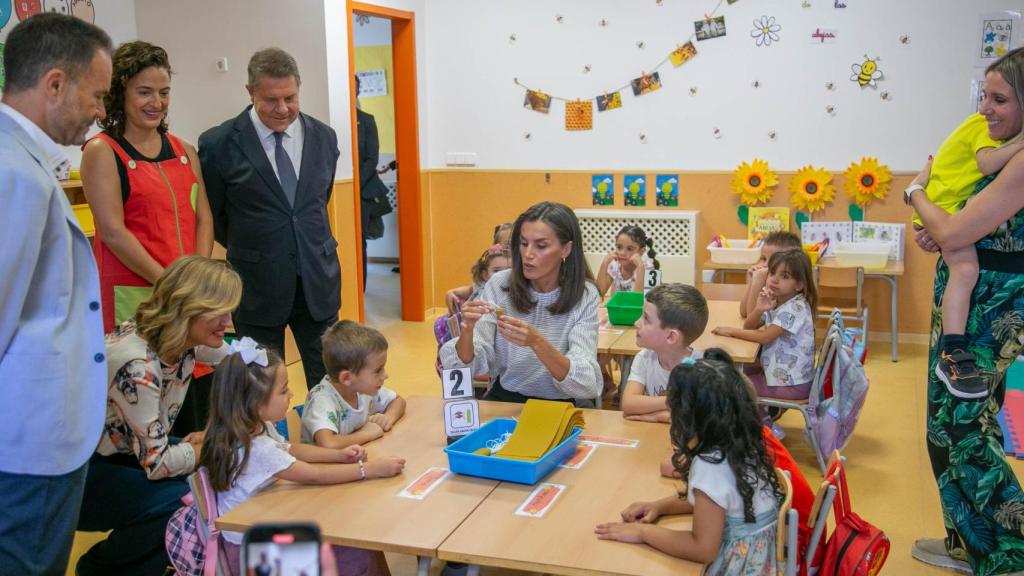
765 31
754 182
867 181
811 188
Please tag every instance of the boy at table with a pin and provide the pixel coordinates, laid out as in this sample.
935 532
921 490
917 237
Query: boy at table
674 315
351 405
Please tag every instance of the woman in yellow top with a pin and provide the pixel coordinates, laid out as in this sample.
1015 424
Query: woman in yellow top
143 184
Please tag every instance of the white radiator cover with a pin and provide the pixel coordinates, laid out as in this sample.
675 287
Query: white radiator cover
674 233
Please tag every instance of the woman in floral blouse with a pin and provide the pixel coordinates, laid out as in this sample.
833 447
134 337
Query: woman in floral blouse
136 477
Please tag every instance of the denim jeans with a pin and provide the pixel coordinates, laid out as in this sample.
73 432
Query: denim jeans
37 522
119 497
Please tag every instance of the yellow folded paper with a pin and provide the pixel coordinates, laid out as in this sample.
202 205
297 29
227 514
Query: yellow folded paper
542 425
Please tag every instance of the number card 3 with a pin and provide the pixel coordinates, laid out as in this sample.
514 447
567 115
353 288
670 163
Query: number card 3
652 279
457 383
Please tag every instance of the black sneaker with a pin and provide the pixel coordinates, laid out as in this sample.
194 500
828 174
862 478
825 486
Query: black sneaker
958 372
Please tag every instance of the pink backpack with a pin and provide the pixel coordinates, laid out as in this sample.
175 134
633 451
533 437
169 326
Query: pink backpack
192 540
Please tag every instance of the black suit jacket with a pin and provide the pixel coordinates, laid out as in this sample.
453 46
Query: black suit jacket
370 184
268 241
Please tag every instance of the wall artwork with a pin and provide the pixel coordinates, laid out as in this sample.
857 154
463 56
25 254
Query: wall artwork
537 101
602 189
667 190
682 54
634 190
579 115
607 102
765 31
645 83
866 73
998 33
710 28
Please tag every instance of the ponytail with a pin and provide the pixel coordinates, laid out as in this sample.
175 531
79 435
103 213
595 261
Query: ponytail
652 254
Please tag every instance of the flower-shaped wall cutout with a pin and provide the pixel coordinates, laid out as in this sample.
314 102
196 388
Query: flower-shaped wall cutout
811 188
866 181
754 182
765 31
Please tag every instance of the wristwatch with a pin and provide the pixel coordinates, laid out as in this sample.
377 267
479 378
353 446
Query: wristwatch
910 190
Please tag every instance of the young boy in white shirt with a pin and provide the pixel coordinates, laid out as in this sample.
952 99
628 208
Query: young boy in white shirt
350 405
674 315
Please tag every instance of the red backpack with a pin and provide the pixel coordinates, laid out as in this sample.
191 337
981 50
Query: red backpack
856 547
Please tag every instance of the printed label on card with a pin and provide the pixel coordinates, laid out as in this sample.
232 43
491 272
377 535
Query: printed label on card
652 279
584 450
461 417
540 500
610 441
425 484
457 383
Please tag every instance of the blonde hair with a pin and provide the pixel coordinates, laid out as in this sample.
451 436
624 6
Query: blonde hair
1011 68
191 287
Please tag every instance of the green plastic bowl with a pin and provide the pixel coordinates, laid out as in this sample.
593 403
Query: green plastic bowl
625 308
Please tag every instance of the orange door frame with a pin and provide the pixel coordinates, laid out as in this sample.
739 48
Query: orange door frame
407 154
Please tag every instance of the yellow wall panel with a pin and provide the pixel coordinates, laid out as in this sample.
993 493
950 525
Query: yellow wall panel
381 107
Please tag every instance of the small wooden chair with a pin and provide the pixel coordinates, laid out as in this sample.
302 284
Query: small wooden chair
715 291
846 279
786 531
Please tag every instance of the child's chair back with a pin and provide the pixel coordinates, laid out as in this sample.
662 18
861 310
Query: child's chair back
786 531
192 538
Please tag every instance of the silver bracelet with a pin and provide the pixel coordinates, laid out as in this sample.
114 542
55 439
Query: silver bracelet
362 470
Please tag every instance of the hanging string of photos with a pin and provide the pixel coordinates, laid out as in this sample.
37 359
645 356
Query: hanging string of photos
579 113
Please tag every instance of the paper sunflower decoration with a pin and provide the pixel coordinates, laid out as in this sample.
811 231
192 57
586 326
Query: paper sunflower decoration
812 188
754 182
867 181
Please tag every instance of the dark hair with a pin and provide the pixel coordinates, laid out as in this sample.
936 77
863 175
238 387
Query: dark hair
681 307
47 41
129 59
798 264
783 239
347 345
574 272
637 234
710 402
484 261
272 63
239 392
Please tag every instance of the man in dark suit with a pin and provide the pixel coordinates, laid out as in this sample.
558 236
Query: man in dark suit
373 193
269 173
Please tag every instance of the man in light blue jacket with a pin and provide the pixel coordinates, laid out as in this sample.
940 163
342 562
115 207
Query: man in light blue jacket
53 375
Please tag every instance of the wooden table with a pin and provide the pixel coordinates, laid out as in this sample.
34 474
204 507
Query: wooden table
369 514
893 270
563 541
720 313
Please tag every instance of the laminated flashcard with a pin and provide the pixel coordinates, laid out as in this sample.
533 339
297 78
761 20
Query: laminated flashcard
607 101
579 115
634 190
537 101
682 54
584 450
646 83
425 484
668 190
610 441
602 189
710 28
540 500
839 231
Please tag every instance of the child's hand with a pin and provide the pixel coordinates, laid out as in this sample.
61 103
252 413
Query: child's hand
195 438
636 260
724 331
759 275
518 332
384 467
351 454
473 311
765 299
613 255
372 429
651 417
621 532
643 512
382 420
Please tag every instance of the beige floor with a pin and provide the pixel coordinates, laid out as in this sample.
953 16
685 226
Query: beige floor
890 480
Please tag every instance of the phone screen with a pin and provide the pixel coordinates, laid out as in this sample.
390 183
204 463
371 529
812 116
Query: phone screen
282 550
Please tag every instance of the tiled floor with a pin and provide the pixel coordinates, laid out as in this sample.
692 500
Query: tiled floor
890 478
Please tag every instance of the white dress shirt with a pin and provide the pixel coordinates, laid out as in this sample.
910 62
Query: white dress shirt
292 141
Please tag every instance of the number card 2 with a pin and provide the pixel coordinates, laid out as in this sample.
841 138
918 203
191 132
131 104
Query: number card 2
457 383
461 417
652 279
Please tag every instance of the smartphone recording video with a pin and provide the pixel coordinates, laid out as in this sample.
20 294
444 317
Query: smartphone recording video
282 550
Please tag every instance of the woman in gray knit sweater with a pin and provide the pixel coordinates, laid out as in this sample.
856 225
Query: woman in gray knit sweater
534 328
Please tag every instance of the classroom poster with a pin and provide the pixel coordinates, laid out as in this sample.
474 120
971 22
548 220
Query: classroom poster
634 190
887 232
998 33
667 190
602 189
764 220
813 232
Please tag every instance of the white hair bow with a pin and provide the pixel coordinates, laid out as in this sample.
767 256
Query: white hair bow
250 351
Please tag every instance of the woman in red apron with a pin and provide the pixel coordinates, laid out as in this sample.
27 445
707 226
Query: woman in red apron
143 184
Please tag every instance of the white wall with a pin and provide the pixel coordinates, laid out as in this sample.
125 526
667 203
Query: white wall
116 17
196 32
475 107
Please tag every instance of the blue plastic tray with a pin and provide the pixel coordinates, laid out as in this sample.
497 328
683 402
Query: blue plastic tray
461 459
